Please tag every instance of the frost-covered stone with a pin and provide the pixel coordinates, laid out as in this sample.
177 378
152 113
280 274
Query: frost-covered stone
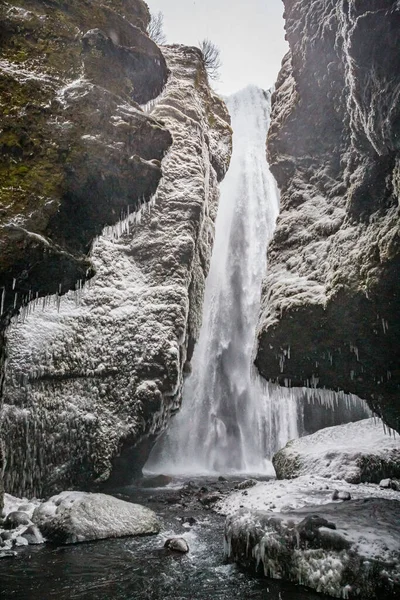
292 494
72 517
99 376
331 298
344 550
355 452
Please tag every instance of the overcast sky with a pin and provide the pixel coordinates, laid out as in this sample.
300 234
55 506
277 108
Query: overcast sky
249 34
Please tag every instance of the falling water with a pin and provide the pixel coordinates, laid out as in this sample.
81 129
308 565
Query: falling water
230 421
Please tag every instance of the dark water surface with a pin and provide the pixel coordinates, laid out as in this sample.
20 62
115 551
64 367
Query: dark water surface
140 568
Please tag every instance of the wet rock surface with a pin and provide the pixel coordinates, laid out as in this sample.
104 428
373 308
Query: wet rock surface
177 545
331 298
356 452
348 549
75 145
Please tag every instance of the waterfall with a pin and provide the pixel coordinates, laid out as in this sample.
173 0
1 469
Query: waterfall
230 421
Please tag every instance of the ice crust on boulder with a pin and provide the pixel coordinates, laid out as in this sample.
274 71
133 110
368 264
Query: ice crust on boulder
72 517
342 549
362 451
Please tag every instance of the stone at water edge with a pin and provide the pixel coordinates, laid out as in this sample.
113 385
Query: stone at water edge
247 483
33 535
338 549
72 517
177 545
15 519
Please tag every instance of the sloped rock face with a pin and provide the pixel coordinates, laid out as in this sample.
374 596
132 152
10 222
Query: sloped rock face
331 299
75 147
91 386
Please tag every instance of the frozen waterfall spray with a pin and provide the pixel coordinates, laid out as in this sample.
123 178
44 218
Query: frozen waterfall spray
230 421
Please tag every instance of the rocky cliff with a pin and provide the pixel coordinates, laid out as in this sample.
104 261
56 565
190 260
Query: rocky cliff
331 301
93 380
76 149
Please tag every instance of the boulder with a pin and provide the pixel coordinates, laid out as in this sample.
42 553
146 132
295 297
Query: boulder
343 550
177 545
15 519
72 517
356 452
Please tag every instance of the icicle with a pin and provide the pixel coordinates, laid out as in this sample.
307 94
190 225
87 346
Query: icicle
3 298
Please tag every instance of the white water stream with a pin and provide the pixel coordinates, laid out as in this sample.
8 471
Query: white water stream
230 421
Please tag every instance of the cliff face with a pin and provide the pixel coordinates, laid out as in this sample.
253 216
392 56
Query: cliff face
91 383
331 301
75 149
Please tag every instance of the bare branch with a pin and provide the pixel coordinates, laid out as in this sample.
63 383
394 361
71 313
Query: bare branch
211 57
155 29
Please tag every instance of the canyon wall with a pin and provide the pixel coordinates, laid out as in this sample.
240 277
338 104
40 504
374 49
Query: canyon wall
75 147
94 377
331 300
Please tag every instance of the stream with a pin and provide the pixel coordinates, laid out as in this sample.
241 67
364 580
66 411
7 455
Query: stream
140 568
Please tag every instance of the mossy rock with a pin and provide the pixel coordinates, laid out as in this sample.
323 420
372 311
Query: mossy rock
76 150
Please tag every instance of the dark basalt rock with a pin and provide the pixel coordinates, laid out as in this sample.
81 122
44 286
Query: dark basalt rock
331 300
15 519
177 545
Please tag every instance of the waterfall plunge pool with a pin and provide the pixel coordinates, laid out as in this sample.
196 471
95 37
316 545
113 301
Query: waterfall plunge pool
140 568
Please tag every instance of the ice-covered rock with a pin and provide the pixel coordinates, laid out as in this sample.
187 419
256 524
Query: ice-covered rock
331 298
72 517
92 381
292 494
355 452
344 550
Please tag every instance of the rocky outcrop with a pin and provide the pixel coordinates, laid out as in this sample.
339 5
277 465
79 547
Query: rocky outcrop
76 149
345 550
92 382
356 452
331 299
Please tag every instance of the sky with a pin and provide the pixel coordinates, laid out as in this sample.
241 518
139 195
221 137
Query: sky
249 33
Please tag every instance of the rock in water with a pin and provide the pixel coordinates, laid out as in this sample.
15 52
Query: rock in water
356 452
72 517
343 550
177 544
